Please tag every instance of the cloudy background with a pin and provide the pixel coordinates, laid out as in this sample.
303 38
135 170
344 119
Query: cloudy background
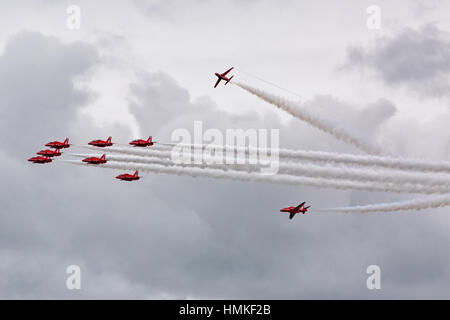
146 68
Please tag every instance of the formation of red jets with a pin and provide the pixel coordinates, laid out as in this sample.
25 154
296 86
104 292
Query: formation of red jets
45 156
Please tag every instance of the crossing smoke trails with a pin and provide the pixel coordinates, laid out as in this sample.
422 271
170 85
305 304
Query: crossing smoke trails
297 169
349 172
415 204
314 120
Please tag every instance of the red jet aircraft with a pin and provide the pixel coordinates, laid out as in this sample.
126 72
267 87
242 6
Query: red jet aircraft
40 159
101 143
142 143
294 210
221 76
58 145
95 160
128 177
49 153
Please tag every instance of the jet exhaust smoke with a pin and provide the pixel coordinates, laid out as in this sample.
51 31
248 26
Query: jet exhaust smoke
308 170
314 120
415 204
406 164
257 177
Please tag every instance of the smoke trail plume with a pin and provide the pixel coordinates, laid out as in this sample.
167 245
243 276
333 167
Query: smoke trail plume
308 170
314 120
135 151
407 164
256 177
415 204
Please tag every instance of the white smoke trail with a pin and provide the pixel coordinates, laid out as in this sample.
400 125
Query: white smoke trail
406 179
314 120
415 204
357 174
297 169
406 164
280 179
136 151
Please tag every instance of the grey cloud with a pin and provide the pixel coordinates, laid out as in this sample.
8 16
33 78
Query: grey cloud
37 94
417 59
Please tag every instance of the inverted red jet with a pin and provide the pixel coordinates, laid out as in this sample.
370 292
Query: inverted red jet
128 177
142 143
222 76
95 160
40 159
58 145
101 143
294 210
49 153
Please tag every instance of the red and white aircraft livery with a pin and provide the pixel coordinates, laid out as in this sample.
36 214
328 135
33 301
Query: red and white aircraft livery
58 145
101 143
128 177
222 76
40 159
294 210
95 160
49 153
142 143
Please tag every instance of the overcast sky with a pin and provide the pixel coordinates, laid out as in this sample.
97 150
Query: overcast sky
142 68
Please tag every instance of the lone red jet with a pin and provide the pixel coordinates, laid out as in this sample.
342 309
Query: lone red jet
142 143
95 160
101 143
49 153
40 159
58 145
128 177
222 76
294 210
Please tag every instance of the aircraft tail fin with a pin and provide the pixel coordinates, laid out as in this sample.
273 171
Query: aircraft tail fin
109 139
149 139
103 157
66 141
136 173
300 206
229 80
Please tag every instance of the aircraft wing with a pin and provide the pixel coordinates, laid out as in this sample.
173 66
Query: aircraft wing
225 73
291 215
300 205
218 80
